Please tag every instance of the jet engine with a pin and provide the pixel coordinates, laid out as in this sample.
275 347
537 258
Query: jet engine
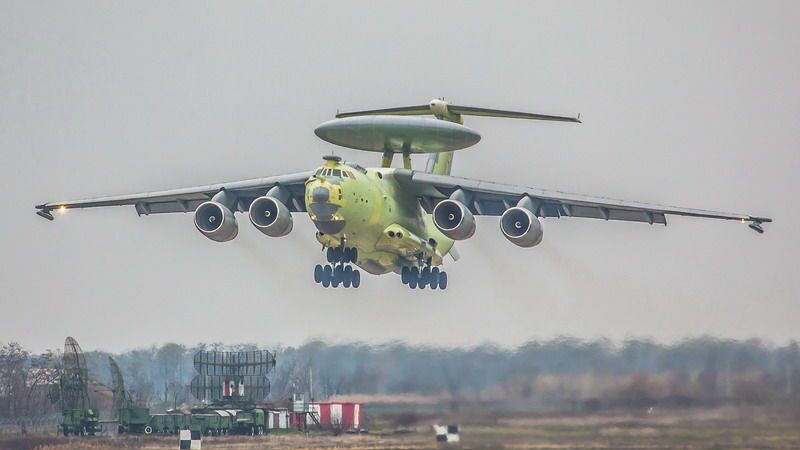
270 216
216 221
521 226
454 220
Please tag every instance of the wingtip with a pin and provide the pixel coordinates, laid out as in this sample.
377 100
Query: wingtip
44 213
756 224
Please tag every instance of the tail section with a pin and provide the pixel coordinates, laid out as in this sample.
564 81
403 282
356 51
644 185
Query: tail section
439 163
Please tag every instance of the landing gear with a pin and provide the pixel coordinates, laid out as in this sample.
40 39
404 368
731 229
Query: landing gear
429 276
318 273
338 272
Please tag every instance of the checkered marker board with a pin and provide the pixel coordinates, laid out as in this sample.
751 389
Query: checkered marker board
447 433
190 440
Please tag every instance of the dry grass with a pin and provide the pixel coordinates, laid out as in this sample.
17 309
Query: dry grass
695 429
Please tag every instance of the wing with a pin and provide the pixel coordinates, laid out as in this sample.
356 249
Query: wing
188 199
492 199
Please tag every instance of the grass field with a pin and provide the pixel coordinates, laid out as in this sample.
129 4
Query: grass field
694 429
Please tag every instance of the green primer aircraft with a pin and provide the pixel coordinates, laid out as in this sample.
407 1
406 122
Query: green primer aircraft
390 219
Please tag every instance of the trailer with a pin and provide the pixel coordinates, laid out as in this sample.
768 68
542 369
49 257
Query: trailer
345 416
277 419
133 419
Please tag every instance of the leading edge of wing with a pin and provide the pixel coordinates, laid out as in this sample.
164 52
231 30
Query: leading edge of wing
490 187
187 193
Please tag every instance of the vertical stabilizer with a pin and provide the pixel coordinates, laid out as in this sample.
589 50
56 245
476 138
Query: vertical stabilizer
439 163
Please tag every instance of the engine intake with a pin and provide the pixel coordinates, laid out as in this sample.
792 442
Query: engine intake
521 227
454 220
216 221
270 216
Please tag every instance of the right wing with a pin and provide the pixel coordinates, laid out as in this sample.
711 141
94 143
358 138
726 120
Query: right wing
188 199
489 198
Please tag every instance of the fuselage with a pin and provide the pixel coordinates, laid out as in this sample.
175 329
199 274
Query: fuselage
367 209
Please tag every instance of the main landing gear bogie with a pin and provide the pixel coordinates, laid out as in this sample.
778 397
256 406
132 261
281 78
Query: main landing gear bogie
339 271
341 255
432 277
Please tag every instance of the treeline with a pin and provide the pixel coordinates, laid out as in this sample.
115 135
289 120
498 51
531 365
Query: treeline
563 371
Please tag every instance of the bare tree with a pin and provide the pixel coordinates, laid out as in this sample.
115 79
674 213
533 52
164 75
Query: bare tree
14 361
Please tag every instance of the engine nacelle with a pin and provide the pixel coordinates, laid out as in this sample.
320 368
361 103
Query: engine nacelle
521 226
270 216
216 221
454 220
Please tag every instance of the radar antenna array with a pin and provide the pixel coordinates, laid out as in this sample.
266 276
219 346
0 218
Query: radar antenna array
122 398
232 376
74 380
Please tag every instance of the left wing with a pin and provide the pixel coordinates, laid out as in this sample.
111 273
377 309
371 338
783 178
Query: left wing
188 199
492 199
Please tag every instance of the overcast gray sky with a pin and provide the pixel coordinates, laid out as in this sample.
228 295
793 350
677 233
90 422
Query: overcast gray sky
692 104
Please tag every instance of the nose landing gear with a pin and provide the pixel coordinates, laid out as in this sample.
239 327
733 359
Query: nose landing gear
339 271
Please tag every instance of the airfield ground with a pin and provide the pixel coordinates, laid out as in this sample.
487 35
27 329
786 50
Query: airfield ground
695 429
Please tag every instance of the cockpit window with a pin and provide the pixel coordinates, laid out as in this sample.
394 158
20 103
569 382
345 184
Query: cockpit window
357 167
337 173
318 172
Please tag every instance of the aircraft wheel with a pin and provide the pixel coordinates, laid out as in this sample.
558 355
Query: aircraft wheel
425 275
414 274
327 274
347 276
434 278
318 273
404 275
356 282
337 276
347 255
353 255
330 254
442 280
338 254
148 429
412 283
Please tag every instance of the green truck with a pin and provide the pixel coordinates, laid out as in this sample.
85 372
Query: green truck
133 419
80 422
212 423
249 421
169 423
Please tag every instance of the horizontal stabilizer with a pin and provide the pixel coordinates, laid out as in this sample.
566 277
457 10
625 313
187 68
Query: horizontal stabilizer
473 111
443 109
418 110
